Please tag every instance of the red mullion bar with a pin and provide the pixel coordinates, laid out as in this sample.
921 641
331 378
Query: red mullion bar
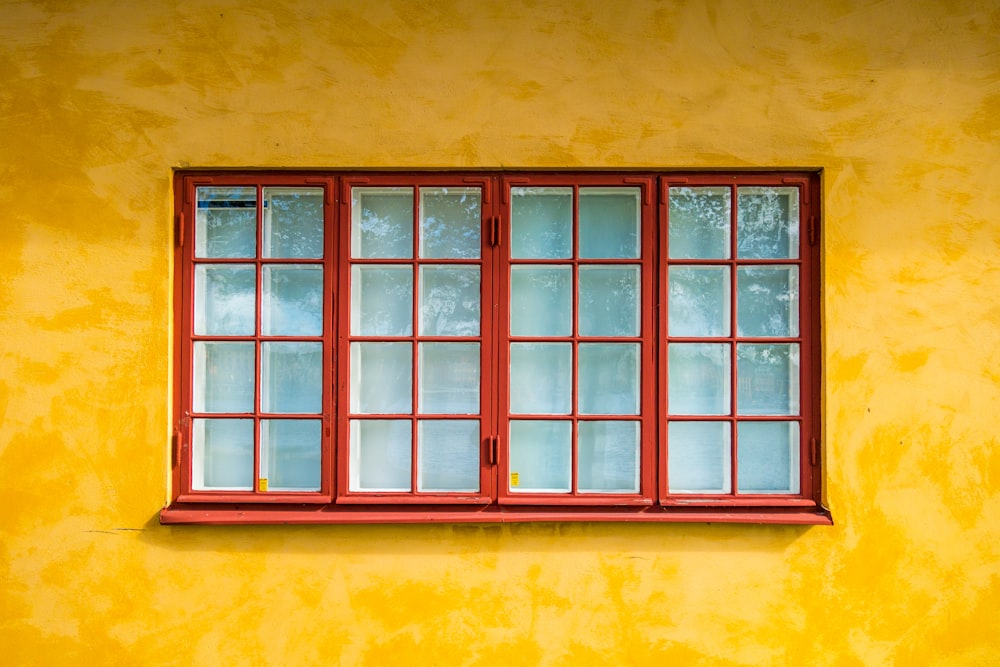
574 406
733 312
415 344
184 204
258 343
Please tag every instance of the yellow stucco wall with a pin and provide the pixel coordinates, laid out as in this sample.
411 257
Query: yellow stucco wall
898 101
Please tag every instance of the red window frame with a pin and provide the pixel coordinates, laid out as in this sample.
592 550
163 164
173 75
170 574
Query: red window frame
334 502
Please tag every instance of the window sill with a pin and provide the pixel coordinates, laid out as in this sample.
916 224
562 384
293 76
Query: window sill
204 514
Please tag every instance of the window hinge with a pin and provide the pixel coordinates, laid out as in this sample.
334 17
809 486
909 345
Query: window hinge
178 440
812 230
180 230
814 452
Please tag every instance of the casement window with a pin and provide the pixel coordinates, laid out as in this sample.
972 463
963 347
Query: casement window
509 346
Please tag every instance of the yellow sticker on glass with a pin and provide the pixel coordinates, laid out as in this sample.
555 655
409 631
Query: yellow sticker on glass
515 479
262 484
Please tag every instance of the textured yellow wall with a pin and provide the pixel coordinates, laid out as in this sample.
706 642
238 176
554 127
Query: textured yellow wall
898 101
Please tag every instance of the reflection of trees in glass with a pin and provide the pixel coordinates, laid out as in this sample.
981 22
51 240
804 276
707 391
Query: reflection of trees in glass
450 303
767 301
226 222
541 224
295 226
699 222
451 224
699 301
767 379
383 224
608 302
767 222
225 300
295 303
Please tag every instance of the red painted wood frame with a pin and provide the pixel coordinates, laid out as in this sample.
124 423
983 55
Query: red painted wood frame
335 503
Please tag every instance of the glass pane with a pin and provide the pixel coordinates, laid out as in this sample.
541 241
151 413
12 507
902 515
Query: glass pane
449 300
699 301
609 379
450 223
382 223
381 300
768 460
699 458
767 301
609 222
609 301
226 222
290 454
448 455
223 377
700 381
541 223
541 376
449 378
540 456
699 223
767 379
222 454
541 301
293 222
767 223
381 455
292 302
291 377
608 457
381 378
225 300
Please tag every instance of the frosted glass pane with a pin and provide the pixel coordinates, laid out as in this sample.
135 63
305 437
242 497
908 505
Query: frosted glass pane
381 300
700 223
448 378
449 300
609 222
700 382
541 376
450 223
226 222
699 301
223 377
767 223
699 457
225 300
768 457
609 301
767 301
381 455
292 302
382 223
768 379
222 454
381 378
290 454
448 455
541 223
608 457
293 222
291 377
609 379
540 456
541 301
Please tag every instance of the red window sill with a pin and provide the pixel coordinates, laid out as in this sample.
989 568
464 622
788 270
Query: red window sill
205 514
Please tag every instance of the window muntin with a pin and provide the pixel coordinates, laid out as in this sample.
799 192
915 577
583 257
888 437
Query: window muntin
565 344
